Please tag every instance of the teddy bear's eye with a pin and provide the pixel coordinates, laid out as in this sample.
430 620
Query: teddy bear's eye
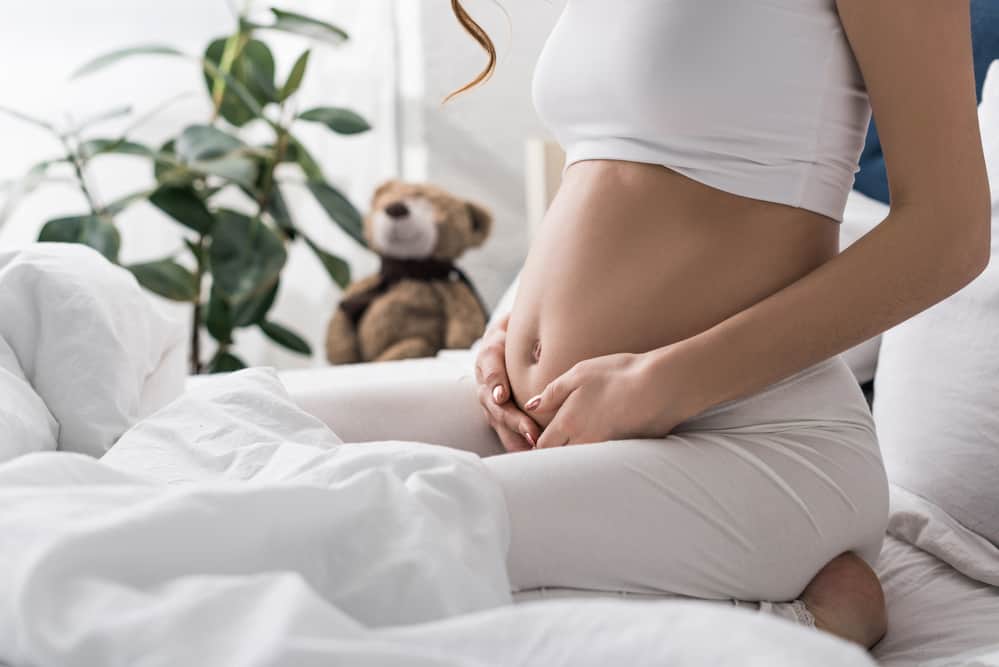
475 216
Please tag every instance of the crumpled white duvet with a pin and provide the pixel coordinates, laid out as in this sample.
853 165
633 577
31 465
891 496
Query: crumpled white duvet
83 351
230 528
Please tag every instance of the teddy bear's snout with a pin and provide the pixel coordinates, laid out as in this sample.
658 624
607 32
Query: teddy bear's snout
397 210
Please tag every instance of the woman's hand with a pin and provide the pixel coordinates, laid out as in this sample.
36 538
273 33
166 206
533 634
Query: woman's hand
613 397
516 430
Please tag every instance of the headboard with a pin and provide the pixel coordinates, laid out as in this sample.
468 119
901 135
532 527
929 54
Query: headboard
543 169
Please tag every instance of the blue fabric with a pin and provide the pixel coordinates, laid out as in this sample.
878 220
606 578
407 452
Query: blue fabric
872 179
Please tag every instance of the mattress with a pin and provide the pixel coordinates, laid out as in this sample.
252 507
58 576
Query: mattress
936 615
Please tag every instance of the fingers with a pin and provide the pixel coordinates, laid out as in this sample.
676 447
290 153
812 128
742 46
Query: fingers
490 366
512 441
521 432
516 430
554 435
554 395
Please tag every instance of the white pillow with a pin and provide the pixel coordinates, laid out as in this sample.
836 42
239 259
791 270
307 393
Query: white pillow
88 340
936 394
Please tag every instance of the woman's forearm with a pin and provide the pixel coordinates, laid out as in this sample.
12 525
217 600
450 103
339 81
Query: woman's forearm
903 266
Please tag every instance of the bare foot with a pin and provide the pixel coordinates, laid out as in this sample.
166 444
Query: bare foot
846 599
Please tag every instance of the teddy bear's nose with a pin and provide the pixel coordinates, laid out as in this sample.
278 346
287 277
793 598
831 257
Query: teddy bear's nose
397 210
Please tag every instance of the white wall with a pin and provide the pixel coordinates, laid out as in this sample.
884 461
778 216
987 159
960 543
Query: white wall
475 144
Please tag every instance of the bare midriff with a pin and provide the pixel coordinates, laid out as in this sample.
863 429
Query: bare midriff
632 257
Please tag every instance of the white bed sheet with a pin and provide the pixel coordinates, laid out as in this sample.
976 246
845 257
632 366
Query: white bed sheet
936 616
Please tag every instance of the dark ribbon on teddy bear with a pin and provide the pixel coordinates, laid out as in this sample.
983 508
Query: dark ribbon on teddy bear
393 270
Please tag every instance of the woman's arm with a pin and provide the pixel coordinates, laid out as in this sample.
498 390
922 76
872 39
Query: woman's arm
916 59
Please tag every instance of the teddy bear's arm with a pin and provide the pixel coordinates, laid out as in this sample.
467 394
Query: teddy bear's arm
342 345
342 342
465 320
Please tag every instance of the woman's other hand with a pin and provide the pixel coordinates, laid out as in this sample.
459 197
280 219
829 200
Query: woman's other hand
613 397
516 430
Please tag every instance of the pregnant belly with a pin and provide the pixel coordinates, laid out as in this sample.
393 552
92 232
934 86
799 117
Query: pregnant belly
631 257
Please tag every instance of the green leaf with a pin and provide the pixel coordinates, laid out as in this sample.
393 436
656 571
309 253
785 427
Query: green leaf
294 81
37 122
88 230
107 59
246 256
166 278
278 208
239 89
306 26
199 253
101 117
207 150
339 209
162 167
341 121
338 269
122 203
218 319
240 170
121 146
184 205
285 337
204 142
252 70
225 362
255 309
296 152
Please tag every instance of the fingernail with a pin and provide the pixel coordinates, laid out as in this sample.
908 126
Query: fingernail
530 440
498 393
533 403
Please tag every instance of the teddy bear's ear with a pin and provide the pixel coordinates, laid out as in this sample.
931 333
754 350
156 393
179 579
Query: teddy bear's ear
482 223
385 187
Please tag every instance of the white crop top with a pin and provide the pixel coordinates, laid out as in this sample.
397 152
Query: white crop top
760 98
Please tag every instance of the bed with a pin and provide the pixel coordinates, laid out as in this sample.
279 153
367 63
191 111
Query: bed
149 520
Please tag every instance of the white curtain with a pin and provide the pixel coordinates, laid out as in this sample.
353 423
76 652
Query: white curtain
44 41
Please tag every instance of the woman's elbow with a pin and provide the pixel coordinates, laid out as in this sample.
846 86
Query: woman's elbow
975 246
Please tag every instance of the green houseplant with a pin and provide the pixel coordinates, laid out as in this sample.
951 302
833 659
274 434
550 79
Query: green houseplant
230 267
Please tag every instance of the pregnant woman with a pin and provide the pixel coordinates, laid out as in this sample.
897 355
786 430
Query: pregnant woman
668 382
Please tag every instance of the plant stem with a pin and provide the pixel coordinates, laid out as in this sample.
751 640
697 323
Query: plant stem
233 46
78 168
267 185
199 275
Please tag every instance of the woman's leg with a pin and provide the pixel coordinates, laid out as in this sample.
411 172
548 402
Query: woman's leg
750 500
598 516
424 400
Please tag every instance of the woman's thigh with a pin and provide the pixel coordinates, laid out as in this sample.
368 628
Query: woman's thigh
740 504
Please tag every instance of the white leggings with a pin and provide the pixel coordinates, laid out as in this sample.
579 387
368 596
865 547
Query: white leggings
748 500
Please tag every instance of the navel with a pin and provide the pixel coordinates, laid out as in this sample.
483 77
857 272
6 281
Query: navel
536 351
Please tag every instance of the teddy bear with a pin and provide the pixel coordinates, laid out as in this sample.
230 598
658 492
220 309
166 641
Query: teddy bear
419 302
